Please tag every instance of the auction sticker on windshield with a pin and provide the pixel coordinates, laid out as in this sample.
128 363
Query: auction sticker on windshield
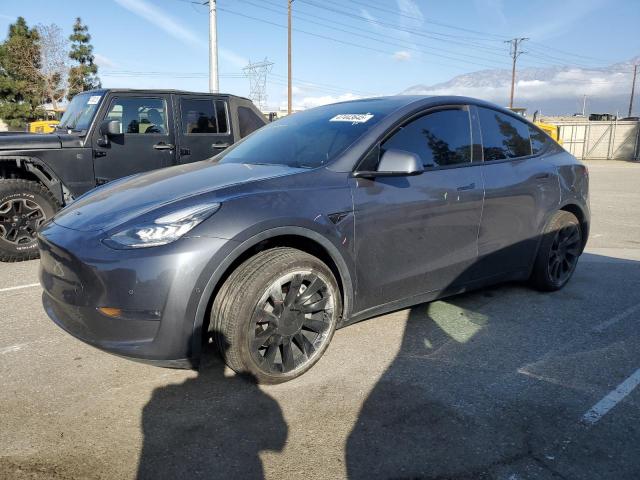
93 100
354 118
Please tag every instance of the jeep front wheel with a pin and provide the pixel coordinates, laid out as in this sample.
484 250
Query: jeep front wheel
24 207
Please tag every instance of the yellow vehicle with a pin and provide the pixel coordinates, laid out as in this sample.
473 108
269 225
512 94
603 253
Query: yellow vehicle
550 129
42 126
47 125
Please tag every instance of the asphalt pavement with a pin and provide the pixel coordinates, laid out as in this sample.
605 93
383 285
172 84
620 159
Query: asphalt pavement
504 383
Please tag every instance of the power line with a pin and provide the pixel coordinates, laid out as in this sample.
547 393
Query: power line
380 37
344 42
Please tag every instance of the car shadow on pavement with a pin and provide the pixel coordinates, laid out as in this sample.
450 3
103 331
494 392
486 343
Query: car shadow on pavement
210 426
493 383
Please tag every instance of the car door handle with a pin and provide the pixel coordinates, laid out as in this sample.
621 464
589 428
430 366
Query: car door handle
164 146
220 145
471 186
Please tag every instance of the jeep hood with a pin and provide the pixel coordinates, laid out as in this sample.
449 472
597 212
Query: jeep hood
30 141
118 202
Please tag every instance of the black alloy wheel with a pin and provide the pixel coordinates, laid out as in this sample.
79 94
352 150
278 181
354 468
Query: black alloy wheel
291 323
275 315
560 247
25 206
20 219
564 253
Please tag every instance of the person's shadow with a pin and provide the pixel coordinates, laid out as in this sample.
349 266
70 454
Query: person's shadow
210 426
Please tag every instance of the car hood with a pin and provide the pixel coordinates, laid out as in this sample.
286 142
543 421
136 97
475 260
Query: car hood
28 141
126 199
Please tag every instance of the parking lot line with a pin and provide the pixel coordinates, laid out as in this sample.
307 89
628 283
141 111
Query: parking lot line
19 287
601 408
615 319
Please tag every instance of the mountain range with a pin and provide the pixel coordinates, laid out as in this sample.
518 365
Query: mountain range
557 90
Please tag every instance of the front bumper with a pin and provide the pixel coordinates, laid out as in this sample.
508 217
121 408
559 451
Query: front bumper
158 291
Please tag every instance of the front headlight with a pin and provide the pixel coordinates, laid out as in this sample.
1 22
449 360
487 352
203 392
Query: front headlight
162 230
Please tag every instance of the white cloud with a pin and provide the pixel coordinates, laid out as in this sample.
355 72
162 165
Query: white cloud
154 15
104 61
562 17
302 103
402 56
409 8
562 84
232 57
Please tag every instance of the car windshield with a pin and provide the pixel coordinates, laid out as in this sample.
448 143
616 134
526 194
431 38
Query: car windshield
80 111
311 138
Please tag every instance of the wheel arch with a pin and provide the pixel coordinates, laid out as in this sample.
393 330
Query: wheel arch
580 214
300 238
33 169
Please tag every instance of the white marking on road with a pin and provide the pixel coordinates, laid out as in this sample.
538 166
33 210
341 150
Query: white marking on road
601 408
616 318
19 287
12 348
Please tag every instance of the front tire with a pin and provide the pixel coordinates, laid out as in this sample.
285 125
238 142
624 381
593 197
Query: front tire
24 207
275 315
558 253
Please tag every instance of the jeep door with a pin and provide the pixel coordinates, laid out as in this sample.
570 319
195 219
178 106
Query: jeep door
204 129
417 234
146 140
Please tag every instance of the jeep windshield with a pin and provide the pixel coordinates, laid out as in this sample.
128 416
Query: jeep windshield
311 138
80 112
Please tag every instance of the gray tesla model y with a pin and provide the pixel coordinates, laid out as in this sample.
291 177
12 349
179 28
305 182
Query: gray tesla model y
318 220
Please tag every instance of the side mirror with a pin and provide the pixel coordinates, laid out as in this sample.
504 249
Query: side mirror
395 163
109 128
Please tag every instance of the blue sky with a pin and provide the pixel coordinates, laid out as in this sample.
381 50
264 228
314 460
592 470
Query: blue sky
342 48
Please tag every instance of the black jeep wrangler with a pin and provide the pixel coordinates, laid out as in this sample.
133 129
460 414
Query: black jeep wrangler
105 135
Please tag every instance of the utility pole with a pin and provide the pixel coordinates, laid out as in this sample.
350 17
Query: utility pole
213 49
633 88
584 104
515 53
289 88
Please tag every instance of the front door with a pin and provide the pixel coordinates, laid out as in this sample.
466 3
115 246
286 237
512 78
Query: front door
146 141
418 234
205 129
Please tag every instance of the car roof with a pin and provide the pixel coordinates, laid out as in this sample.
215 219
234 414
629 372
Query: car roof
401 101
161 91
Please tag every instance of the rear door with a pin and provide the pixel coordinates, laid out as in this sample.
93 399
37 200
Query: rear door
521 188
204 129
146 141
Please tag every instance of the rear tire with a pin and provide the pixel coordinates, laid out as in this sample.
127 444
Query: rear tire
558 253
275 315
24 207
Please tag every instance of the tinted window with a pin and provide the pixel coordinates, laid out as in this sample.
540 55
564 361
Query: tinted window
221 115
311 138
439 139
202 115
248 121
503 136
539 139
139 115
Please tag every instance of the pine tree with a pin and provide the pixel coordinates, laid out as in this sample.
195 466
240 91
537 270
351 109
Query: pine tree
84 75
21 86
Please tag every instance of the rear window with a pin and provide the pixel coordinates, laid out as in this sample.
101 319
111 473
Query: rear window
503 136
539 139
248 121
203 115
